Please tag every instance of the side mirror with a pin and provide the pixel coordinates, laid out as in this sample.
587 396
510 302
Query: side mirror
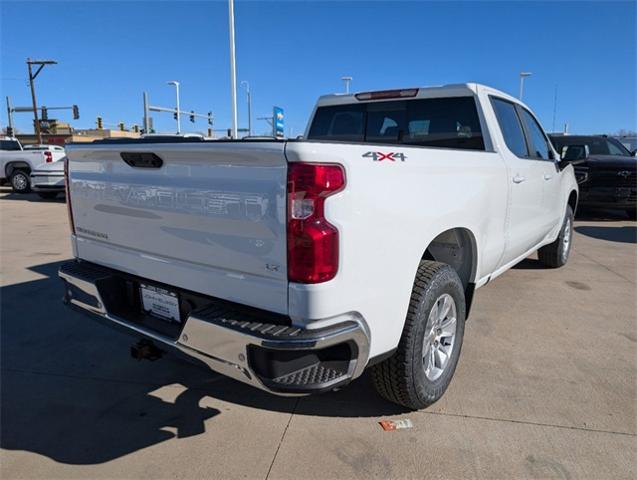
573 154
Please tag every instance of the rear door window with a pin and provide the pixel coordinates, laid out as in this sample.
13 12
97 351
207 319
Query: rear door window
436 122
510 126
539 143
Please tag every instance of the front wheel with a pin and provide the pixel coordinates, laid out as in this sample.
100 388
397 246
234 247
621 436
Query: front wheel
420 370
20 182
556 254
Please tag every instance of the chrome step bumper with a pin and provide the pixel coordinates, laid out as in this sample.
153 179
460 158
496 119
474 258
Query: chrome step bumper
241 343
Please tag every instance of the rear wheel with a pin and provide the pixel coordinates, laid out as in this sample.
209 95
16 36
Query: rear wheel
47 195
420 370
556 254
20 181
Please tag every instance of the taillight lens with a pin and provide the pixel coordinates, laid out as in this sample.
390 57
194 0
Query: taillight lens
67 191
48 156
312 240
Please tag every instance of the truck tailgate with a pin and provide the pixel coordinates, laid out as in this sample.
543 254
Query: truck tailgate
211 218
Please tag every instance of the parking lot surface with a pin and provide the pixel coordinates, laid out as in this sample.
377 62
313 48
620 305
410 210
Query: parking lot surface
545 386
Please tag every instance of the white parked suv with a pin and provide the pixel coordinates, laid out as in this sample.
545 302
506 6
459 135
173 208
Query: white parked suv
295 265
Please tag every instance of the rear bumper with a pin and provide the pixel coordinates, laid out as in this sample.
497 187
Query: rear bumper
47 182
249 345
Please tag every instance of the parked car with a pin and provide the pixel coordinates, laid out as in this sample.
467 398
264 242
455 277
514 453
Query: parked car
17 163
608 177
294 265
47 180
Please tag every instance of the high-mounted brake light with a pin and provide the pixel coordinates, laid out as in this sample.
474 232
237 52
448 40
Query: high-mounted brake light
384 94
67 191
48 156
312 240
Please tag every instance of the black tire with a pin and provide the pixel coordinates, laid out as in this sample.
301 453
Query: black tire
401 378
47 195
632 213
20 181
555 255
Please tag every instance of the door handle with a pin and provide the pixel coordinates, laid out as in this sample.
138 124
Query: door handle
518 178
547 176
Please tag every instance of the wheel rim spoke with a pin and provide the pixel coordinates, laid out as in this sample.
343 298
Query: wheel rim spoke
448 327
439 337
444 309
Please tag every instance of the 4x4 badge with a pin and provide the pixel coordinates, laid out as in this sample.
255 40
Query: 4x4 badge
380 156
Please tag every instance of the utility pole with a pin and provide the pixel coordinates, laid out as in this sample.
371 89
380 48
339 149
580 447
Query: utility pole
247 85
233 70
347 81
177 112
10 118
523 75
32 77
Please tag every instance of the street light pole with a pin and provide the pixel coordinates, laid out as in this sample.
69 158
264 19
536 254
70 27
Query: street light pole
347 81
32 76
176 84
523 75
233 69
249 95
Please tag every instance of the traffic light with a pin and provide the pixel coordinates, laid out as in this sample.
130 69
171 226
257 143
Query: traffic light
45 113
136 128
192 116
76 112
209 118
9 131
100 125
175 115
121 126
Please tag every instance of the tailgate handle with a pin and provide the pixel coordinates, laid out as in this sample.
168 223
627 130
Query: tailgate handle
142 159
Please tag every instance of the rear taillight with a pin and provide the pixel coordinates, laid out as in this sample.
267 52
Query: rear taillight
312 240
67 190
48 156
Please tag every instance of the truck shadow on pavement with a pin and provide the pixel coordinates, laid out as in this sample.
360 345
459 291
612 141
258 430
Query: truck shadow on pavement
70 391
29 197
622 234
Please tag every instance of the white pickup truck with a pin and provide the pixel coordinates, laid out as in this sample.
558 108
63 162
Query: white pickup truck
294 265
17 163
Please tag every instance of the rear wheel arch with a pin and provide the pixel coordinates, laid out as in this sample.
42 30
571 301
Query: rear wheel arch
10 167
456 247
572 201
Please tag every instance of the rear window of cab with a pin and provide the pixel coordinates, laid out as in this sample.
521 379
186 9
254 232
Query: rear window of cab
451 122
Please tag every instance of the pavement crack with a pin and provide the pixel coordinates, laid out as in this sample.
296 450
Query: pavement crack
296 404
592 259
526 422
